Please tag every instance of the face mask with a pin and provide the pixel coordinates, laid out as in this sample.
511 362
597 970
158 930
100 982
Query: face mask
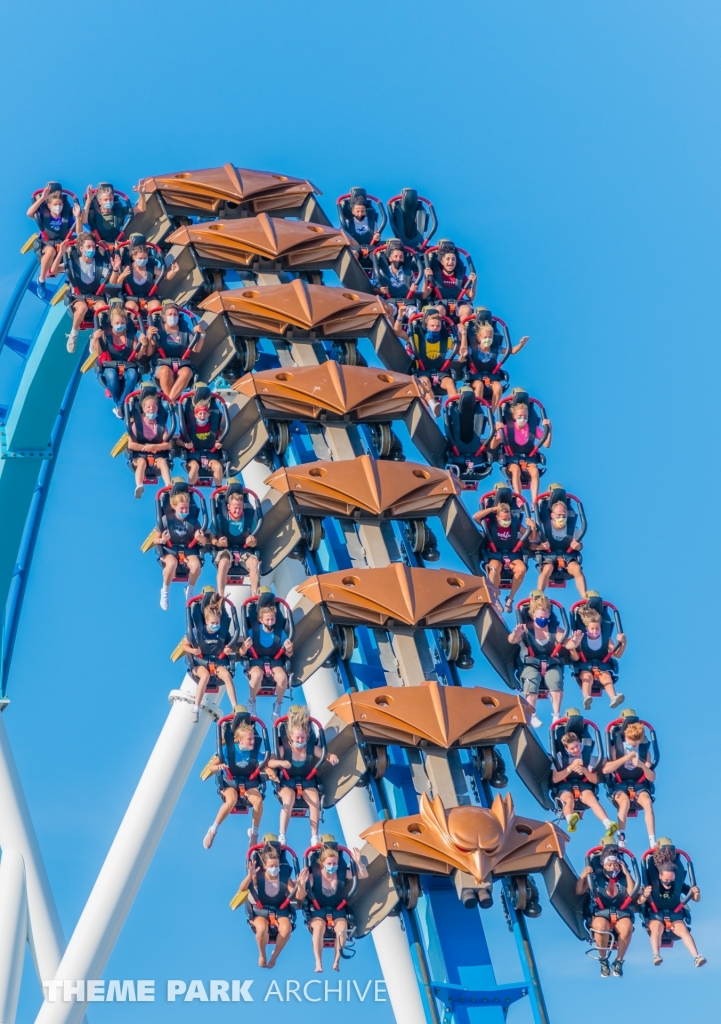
613 874
121 329
629 749
56 210
521 421
559 522
330 868
486 342
89 254
107 204
202 420
212 627
150 415
141 261
504 522
432 335
273 871
593 634
172 318
181 515
542 621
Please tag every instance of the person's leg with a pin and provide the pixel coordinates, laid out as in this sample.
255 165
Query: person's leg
185 375
312 798
287 799
80 308
260 927
284 933
227 680
606 681
317 927
531 681
478 388
591 801
655 933
534 478
113 383
194 568
622 802
493 568
253 566
428 397
281 685
575 570
518 567
46 261
568 809
601 934
679 928
514 471
170 564
255 799
449 386
554 683
230 799
496 394
193 471
221 578
217 471
340 927
644 800
624 931
586 680
255 681
165 379
132 307
203 676
164 469
130 383
544 575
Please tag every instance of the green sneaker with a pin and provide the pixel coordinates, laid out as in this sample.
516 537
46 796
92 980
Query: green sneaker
612 829
573 821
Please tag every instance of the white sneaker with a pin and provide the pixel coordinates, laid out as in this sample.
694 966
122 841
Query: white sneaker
188 592
209 837
72 338
536 722
118 412
277 711
164 599
251 707
194 714
314 839
587 703
281 838
139 490
253 836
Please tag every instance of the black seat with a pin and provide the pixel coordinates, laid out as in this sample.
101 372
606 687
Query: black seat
412 219
468 426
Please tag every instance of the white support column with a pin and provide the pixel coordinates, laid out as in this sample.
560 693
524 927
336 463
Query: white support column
44 933
133 848
13 932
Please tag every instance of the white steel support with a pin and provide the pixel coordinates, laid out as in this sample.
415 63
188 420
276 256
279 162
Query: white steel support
133 848
44 932
13 932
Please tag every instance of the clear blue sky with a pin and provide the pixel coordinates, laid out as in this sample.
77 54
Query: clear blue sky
573 148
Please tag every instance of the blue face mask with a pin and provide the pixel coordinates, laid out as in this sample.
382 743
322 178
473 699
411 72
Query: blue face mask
330 868
212 627
141 262
432 335
183 515
89 254
542 621
121 329
150 415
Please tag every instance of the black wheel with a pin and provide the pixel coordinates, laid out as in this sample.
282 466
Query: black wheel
417 532
451 643
250 354
312 533
280 437
383 439
349 353
345 642
377 761
485 762
409 890
520 893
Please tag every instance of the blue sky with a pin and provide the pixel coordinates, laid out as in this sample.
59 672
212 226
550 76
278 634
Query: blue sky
573 149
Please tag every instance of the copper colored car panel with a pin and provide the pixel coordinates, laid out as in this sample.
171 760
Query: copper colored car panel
204 191
299 308
484 842
433 715
366 488
332 391
240 243
399 595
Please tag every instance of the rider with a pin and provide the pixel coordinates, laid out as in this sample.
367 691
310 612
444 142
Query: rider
326 884
147 434
232 534
559 538
521 446
545 656
56 217
140 275
633 769
594 653
449 286
665 909
573 774
119 348
296 763
105 213
267 639
271 886
181 532
362 227
202 434
87 270
238 767
612 905
212 639
394 272
172 342
431 345
480 349
505 531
